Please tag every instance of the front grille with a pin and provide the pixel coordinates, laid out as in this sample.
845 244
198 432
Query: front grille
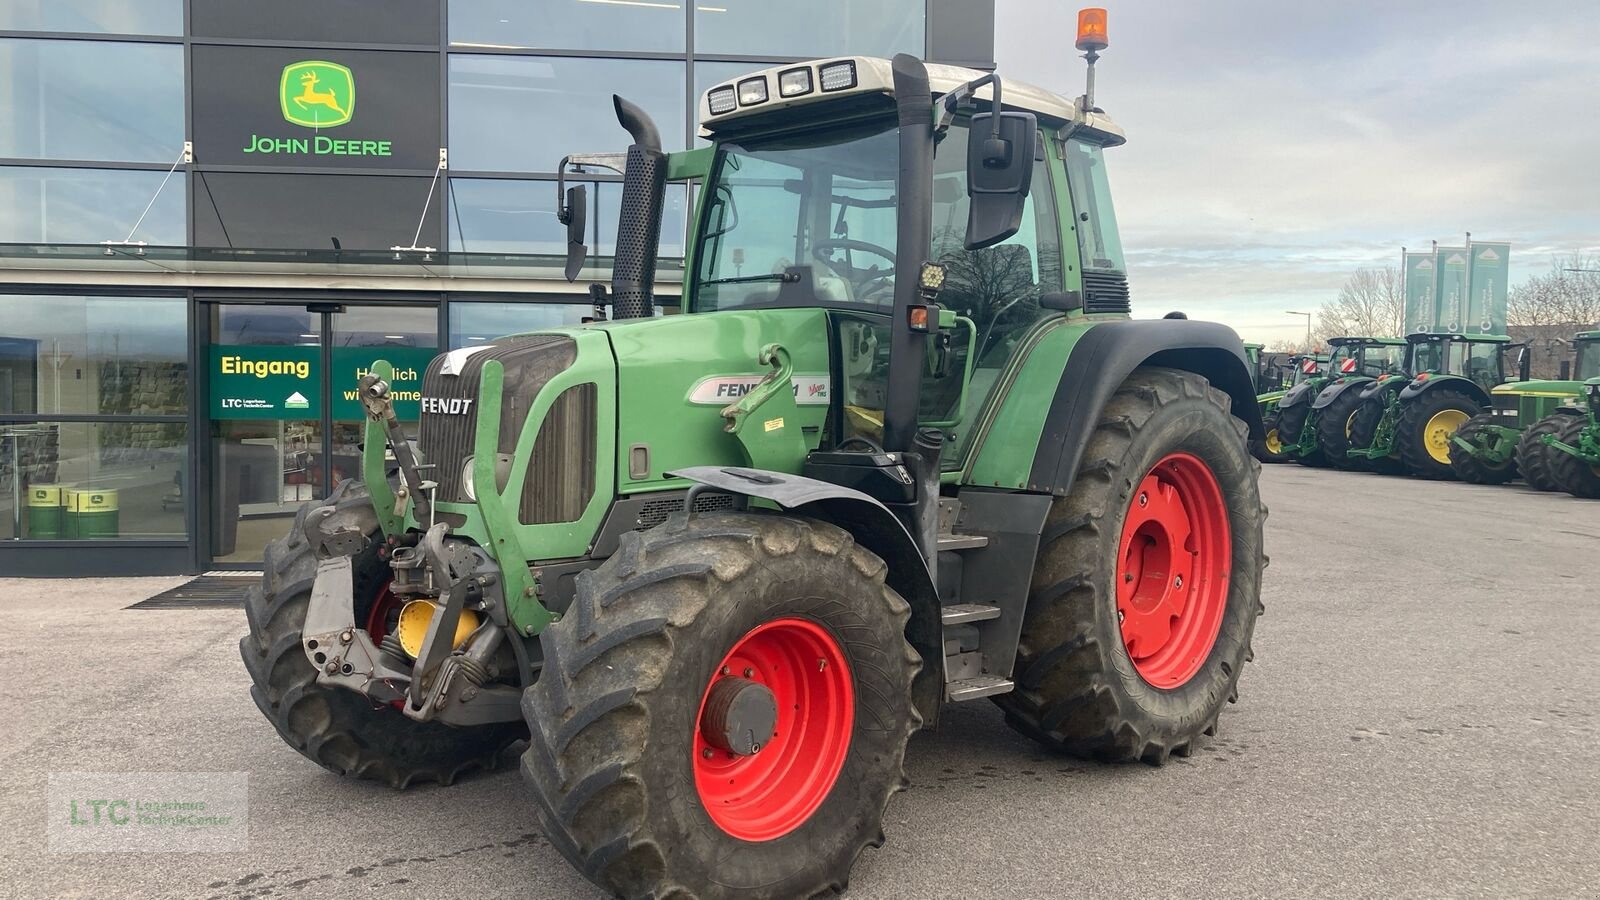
1105 292
446 439
560 478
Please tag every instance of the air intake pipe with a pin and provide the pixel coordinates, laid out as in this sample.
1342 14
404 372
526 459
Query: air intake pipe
633 272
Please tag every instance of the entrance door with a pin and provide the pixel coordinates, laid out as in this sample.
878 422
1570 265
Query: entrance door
286 426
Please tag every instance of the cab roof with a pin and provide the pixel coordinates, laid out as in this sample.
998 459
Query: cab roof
874 75
1442 335
1352 339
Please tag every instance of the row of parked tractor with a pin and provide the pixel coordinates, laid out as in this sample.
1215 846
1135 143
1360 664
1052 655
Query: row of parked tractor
1436 406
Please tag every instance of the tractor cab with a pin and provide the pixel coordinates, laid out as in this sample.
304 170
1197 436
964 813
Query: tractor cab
1478 358
1366 357
1586 356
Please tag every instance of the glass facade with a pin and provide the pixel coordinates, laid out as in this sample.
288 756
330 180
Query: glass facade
93 16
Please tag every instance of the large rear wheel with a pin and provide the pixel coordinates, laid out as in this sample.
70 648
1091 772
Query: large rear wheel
1476 467
1535 458
1148 581
724 711
1427 423
1573 475
1335 424
336 728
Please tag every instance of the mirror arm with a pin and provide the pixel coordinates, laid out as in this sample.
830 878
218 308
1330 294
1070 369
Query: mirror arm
963 93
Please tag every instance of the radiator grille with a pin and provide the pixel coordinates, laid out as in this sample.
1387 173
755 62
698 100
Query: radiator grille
1105 292
446 440
561 470
655 512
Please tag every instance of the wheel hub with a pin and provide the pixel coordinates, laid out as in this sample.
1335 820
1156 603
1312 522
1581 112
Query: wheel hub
1437 432
1173 567
740 716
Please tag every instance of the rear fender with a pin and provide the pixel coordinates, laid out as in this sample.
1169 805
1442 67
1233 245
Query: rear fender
1104 358
1297 395
1332 391
874 527
1453 382
1378 387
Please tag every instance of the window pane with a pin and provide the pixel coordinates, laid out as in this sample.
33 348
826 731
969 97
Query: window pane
501 216
389 22
1098 238
299 212
95 100
110 16
472 324
566 25
523 113
87 206
98 481
93 355
818 28
674 219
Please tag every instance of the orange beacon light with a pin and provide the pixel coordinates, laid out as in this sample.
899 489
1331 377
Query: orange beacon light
1092 29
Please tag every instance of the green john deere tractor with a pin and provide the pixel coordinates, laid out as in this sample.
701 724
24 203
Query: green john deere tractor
1269 388
1561 452
903 447
1310 419
1301 368
1404 423
1495 446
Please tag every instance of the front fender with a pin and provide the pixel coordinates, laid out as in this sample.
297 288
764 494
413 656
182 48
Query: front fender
1332 391
1454 382
874 527
1381 385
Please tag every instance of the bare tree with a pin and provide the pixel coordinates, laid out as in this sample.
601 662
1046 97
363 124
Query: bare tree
1546 310
1370 303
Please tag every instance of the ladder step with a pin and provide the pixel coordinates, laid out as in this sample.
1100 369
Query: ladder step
980 686
962 541
958 613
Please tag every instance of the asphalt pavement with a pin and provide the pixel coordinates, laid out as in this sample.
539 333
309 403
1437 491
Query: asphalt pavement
1420 721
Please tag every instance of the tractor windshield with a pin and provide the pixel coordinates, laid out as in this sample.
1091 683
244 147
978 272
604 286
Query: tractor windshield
1382 359
1588 361
816 205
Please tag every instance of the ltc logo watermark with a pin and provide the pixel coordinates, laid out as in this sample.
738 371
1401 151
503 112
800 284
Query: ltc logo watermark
148 812
317 94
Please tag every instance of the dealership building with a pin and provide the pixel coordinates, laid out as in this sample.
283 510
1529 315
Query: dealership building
214 214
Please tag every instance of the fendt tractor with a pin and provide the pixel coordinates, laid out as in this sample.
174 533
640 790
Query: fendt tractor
1496 446
1404 423
1311 417
904 446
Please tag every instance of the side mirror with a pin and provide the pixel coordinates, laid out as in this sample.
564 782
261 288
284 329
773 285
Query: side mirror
1524 363
1566 370
1000 151
575 215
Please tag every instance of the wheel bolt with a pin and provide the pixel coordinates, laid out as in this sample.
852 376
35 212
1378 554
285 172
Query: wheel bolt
708 753
1178 582
1120 616
1127 576
1144 499
749 672
754 749
724 670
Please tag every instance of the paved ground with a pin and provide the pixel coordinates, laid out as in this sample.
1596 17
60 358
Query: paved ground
1421 721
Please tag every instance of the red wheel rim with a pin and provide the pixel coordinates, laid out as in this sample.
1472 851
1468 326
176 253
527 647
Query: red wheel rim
384 606
1172 570
772 792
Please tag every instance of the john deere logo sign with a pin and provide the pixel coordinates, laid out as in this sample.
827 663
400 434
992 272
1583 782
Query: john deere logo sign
317 94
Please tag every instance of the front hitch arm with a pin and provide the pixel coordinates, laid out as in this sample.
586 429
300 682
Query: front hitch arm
378 403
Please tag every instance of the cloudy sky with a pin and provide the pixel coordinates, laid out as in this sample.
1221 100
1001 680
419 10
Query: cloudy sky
1274 147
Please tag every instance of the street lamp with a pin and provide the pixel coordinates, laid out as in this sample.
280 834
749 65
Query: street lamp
1308 326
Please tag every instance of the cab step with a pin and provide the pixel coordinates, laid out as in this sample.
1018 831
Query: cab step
957 613
962 541
977 687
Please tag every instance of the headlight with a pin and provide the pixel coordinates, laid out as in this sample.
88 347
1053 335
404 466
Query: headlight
722 100
753 91
794 82
467 484
838 76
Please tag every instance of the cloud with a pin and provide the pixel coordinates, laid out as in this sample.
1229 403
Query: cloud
1274 148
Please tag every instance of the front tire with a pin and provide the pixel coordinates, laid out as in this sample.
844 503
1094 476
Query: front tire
1535 458
628 784
1364 430
1427 423
1334 428
1292 424
1472 468
1576 477
1165 473
339 729
1269 448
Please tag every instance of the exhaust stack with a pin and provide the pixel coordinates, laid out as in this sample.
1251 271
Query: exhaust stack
633 273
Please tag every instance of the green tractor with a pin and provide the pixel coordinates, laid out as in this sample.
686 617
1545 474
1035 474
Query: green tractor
1405 422
1309 404
903 447
1296 370
1575 447
1269 387
1495 446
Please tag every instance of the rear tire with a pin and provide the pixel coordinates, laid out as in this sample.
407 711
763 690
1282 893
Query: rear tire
1291 424
1269 449
1079 688
1364 430
1472 468
1574 476
626 787
338 729
1426 425
1335 424
1535 457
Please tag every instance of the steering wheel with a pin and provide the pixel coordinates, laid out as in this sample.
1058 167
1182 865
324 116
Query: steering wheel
862 280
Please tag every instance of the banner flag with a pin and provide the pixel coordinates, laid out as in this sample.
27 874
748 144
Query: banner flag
1419 285
1487 297
1450 267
